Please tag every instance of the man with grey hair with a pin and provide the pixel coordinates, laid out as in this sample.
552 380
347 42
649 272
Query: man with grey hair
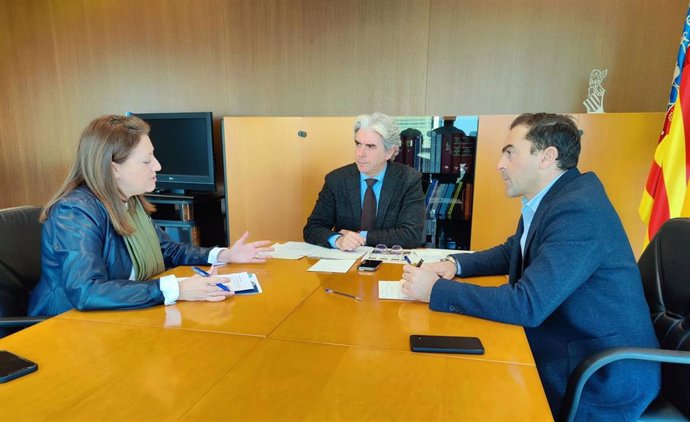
373 200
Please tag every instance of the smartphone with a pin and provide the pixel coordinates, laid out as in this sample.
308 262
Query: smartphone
446 344
13 366
369 265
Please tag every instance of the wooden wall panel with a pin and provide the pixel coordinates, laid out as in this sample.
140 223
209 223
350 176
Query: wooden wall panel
272 193
63 63
315 57
495 57
329 145
617 147
31 151
264 176
494 215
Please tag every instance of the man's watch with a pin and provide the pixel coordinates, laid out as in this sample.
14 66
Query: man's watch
449 258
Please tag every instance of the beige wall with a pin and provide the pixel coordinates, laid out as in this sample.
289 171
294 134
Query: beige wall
64 62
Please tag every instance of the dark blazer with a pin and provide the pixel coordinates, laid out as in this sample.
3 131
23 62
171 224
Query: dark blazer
577 291
400 215
85 263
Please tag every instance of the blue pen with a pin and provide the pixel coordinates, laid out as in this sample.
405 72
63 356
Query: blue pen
418 264
205 274
201 272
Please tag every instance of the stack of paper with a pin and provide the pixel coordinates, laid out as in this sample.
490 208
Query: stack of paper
296 250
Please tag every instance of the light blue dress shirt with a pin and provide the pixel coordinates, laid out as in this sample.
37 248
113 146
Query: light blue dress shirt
529 208
362 189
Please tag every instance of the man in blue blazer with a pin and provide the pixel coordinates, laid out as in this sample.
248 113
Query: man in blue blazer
393 192
573 281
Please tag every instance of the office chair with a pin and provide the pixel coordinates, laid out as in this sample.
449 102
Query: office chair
20 266
665 269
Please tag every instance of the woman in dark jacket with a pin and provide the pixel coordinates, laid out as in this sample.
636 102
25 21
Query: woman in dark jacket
100 249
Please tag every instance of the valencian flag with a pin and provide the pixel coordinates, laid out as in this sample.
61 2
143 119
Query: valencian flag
666 193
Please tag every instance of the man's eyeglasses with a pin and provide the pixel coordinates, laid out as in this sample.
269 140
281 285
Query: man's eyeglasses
395 252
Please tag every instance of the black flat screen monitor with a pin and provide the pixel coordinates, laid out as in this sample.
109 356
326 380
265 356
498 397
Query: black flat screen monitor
183 144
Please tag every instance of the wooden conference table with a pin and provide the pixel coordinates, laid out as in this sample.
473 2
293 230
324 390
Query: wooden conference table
293 352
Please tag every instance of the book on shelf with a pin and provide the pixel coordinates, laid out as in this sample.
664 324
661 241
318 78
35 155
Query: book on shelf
456 153
408 138
417 149
454 199
467 150
446 160
435 200
445 200
433 185
437 163
432 152
424 156
467 201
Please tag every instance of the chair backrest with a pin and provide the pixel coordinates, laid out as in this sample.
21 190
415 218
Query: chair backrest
20 258
665 269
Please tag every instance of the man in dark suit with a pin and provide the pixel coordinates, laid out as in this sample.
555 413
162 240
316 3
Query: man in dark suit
372 201
573 281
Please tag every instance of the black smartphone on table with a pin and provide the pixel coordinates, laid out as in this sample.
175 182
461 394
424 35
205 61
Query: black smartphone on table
13 366
369 265
446 344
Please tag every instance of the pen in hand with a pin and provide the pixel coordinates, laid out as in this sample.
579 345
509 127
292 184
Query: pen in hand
343 294
206 274
418 264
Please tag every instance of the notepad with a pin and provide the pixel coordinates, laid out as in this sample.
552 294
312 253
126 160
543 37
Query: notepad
242 283
392 290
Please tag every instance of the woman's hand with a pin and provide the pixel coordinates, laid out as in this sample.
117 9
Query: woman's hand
241 252
203 288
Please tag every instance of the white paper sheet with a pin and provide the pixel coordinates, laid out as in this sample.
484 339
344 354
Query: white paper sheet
332 265
285 251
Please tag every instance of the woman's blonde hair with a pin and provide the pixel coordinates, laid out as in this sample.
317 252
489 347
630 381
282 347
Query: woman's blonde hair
106 140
